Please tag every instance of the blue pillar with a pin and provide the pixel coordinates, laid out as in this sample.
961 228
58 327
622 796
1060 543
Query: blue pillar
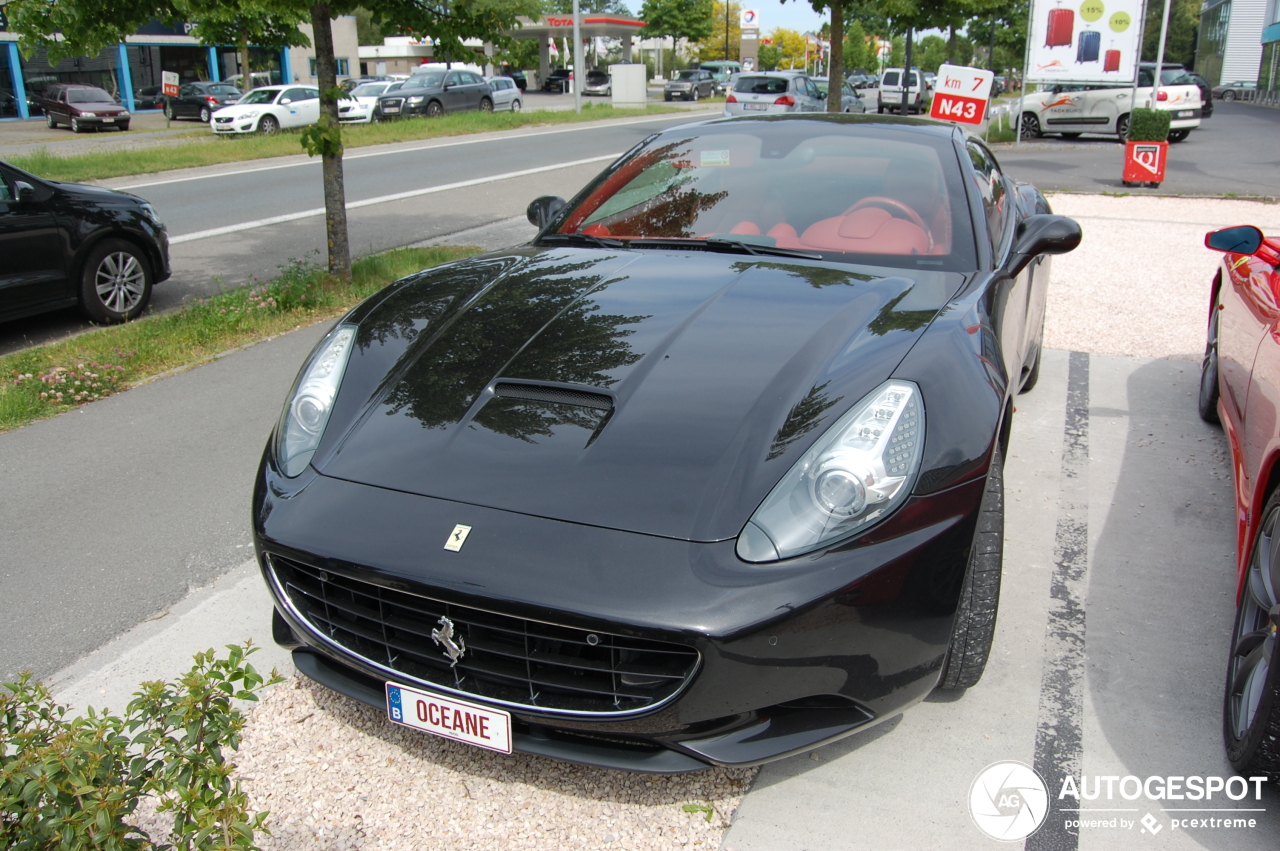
213 65
286 72
19 87
126 78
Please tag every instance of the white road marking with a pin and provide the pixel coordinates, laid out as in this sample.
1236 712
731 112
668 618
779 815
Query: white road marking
427 147
381 199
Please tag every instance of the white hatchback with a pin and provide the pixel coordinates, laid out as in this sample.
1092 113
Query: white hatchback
506 94
773 91
359 105
1074 108
269 109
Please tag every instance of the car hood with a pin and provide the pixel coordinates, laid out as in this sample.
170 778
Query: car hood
103 106
705 376
96 194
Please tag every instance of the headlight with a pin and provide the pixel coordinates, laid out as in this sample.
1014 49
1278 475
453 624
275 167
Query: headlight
853 477
417 99
124 114
150 212
88 115
253 113
304 418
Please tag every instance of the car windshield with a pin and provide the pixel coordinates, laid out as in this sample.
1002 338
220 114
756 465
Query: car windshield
687 75
761 85
259 96
889 196
426 81
369 90
88 96
597 77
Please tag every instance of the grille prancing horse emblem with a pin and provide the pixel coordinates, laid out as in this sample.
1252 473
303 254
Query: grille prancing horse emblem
457 538
453 648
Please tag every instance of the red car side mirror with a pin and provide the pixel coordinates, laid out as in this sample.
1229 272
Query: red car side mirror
1242 239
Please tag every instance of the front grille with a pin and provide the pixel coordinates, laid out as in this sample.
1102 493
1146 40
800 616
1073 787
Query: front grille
392 102
222 119
516 662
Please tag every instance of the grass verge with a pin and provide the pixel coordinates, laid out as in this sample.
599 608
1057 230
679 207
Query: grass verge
211 150
46 380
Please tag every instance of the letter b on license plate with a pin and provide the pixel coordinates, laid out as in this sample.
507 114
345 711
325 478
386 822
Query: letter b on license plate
450 718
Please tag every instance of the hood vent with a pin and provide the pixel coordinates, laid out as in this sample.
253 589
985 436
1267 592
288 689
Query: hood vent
557 395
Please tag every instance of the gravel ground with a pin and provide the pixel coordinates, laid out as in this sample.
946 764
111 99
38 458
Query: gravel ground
1139 282
335 774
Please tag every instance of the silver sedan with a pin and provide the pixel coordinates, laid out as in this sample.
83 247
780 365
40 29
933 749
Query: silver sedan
849 99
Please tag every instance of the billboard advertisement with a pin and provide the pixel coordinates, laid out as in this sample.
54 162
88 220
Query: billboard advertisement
1084 41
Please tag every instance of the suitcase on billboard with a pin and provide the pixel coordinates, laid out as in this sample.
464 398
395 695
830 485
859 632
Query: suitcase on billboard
1111 62
1088 47
1061 25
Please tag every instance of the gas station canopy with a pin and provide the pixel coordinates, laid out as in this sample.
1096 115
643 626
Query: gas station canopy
561 26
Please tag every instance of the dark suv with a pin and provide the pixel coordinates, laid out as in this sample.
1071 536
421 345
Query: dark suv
65 244
81 107
434 93
558 81
200 100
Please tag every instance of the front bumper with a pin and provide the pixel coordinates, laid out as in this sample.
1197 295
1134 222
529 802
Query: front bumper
791 656
235 125
102 120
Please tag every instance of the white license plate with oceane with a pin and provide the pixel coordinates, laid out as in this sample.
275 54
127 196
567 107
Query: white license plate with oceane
450 718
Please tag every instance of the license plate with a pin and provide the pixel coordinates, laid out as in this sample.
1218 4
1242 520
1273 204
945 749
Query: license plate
108 121
755 106
390 109
450 718
1186 113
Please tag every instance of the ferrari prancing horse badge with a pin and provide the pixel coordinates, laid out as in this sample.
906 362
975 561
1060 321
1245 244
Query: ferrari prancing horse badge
457 538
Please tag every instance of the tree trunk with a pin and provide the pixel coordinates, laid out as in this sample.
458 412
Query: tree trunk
335 200
907 76
951 45
246 76
835 67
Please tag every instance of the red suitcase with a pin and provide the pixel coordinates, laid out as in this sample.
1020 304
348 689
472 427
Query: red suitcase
1111 62
1061 25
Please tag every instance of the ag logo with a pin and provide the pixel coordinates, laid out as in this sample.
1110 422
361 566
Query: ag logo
1008 801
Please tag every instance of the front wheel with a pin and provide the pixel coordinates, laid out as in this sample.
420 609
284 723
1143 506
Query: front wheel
205 115
1122 127
269 125
116 283
975 623
434 109
1030 126
1208 401
1228 95
49 122
516 105
694 97
1251 705
75 126
1179 135
486 105
168 110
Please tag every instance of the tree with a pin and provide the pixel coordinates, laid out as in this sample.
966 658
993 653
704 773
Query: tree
1184 27
835 62
692 20
787 49
726 15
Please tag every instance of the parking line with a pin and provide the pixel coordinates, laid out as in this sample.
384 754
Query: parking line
427 147
382 199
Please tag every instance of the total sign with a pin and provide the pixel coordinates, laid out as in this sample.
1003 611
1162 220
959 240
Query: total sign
750 19
961 94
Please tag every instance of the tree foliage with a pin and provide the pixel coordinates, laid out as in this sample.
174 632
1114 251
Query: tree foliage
714 46
1184 28
689 19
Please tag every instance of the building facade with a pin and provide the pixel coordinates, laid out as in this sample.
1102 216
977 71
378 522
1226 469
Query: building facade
1269 71
1230 42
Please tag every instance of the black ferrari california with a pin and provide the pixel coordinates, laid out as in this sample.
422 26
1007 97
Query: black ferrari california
709 472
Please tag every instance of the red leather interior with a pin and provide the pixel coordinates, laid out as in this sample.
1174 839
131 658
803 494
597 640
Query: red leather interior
745 228
870 230
596 230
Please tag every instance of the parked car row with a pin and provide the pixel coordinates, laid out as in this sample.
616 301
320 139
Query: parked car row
1072 109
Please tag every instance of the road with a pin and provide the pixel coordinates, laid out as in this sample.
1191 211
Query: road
229 224
1233 152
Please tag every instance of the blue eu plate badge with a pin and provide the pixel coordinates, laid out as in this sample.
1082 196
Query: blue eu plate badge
394 704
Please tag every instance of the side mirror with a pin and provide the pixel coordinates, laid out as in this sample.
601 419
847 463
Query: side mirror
286 100
542 210
26 192
1042 234
1244 239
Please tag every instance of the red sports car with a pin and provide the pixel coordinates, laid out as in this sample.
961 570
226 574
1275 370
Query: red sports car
1240 387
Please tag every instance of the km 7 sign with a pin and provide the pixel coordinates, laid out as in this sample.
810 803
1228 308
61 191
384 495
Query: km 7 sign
961 94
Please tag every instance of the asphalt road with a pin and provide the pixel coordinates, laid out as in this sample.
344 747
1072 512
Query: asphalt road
1234 151
230 224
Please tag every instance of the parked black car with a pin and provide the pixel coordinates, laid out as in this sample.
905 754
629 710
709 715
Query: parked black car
709 472
690 84
434 93
149 97
557 81
63 244
1206 94
81 108
201 100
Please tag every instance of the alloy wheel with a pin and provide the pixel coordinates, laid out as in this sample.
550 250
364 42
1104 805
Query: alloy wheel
1253 645
515 105
204 115
1030 126
120 281
1122 127
75 125
1229 96
486 105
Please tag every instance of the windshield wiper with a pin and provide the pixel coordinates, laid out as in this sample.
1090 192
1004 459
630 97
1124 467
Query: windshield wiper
758 248
589 239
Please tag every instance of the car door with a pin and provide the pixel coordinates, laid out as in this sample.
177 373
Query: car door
32 259
184 104
290 107
1061 109
309 109
999 209
1249 308
454 96
476 90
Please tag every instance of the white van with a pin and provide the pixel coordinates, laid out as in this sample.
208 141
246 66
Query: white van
1074 108
890 96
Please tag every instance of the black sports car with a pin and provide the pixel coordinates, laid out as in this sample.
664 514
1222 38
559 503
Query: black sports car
707 473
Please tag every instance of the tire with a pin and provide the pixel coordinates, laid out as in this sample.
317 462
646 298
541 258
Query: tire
1179 135
269 125
1071 135
205 115
486 105
1228 95
49 122
516 105
168 110
75 126
667 98
123 127
694 95
1208 400
434 109
1251 703
1122 127
1029 128
975 623
115 284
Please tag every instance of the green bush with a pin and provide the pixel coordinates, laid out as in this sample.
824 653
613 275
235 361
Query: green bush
75 783
1149 125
